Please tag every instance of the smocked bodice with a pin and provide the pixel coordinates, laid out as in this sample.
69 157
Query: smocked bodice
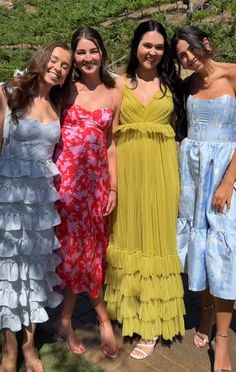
212 120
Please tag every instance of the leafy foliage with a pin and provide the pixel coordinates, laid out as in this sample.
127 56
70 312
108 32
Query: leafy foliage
31 23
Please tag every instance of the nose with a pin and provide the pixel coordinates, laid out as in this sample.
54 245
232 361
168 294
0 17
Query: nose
58 67
190 56
152 51
88 57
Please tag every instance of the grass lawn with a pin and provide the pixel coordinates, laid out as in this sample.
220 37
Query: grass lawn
57 358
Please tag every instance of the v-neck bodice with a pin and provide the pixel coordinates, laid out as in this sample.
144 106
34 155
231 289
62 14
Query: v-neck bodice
151 117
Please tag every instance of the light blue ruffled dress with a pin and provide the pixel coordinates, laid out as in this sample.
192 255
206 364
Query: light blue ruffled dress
207 241
27 219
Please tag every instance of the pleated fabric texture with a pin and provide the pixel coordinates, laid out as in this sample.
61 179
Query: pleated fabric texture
144 288
27 219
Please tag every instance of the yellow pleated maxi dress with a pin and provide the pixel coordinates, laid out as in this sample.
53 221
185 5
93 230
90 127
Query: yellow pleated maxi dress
144 289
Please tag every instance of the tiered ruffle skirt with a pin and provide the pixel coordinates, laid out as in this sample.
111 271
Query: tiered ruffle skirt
144 287
27 241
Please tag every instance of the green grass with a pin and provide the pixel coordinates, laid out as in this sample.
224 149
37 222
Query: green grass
56 358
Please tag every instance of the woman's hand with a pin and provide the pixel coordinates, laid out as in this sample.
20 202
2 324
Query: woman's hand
111 201
222 196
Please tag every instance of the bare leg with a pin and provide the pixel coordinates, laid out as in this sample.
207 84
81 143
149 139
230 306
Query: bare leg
109 345
224 310
9 352
64 325
202 337
32 361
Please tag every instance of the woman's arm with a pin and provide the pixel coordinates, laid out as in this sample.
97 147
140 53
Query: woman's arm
224 192
112 154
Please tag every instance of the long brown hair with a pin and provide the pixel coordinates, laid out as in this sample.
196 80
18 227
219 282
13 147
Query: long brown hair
21 90
93 35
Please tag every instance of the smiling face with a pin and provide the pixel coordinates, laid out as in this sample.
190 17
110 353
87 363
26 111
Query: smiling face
150 50
88 57
58 67
188 58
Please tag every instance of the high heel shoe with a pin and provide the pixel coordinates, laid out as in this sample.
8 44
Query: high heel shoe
139 353
80 349
213 345
201 339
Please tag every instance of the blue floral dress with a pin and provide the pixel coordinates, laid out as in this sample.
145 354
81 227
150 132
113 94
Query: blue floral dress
207 241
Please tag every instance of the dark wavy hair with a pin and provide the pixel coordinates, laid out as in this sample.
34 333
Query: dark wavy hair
93 35
195 38
166 69
21 90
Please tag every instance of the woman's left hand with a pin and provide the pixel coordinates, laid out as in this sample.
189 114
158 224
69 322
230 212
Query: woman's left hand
111 202
222 196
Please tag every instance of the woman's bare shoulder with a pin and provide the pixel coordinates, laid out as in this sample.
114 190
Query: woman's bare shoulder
120 83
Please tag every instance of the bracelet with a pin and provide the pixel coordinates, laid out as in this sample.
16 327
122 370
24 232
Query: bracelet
113 190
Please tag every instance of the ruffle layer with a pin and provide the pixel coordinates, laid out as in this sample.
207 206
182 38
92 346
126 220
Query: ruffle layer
11 191
146 265
28 217
20 242
28 267
26 287
35 312
147 127
145 294
27 168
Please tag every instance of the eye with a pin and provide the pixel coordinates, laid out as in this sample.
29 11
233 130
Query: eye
160 47
147 45
80 52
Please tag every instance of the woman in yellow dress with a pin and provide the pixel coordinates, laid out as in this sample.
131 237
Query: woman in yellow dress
144 289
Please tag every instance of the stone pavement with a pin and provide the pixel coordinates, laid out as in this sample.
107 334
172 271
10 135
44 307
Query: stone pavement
179 357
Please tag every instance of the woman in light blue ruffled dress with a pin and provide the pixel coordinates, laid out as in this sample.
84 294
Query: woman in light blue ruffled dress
29 128
207 214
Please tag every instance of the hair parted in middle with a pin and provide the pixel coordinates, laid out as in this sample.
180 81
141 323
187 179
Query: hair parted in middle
165 69
93 35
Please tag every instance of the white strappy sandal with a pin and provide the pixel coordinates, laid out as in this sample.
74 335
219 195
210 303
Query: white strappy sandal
139 353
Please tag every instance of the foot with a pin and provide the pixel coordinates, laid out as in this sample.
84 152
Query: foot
222 361
9 360
144 348
202 337
32 361
108 341
71 340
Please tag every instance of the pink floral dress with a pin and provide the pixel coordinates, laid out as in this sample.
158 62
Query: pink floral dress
81 157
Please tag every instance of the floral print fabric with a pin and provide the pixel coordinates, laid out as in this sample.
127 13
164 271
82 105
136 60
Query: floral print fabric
207 241
81 158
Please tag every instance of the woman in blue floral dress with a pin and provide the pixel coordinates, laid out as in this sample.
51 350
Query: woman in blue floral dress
207 214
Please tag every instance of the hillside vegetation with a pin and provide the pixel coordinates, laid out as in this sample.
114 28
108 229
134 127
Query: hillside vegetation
27 24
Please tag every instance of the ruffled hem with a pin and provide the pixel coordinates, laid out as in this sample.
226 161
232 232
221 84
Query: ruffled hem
15 216
32 314
150 319
20 242
27 168
11 192
146 127
145 294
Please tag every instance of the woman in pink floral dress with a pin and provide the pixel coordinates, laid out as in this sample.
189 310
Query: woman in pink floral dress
86 159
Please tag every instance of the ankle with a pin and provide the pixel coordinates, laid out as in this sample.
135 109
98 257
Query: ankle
221 335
